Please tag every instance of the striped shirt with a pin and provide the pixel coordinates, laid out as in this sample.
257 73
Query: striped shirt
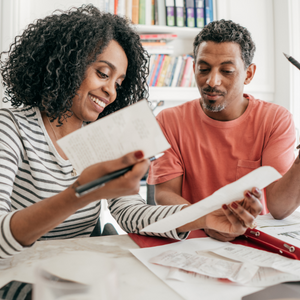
32 170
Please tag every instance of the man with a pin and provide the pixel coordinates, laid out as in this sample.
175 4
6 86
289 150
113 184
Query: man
225 134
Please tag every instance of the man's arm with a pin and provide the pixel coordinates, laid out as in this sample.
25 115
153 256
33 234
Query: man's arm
283 196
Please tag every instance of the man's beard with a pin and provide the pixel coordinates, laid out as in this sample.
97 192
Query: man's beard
214 108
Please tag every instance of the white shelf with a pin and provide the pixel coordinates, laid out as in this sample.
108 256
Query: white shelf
182 32
173 94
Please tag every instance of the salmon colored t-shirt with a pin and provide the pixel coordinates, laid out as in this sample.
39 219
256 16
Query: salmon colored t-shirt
210 154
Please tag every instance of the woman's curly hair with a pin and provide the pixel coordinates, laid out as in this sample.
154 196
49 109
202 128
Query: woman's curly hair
227 31
46 64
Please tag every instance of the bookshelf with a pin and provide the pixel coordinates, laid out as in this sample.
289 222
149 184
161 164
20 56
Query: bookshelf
182 45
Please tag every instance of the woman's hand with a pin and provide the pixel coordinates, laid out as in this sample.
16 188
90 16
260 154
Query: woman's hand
128 184
233 220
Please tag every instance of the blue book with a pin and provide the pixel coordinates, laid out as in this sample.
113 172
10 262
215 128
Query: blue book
199 13
152 68
170 12
179 13
209 11
190 13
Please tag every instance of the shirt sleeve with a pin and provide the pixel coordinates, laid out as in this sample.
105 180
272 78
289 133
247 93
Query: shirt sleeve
279 150
171 164
10 153
133 214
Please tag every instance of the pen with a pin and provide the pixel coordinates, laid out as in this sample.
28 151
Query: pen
97 183
292 60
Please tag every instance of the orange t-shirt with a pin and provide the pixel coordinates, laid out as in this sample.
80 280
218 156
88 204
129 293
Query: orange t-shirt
210 154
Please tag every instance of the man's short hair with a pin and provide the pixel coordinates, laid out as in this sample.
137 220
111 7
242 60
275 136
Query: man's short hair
227 31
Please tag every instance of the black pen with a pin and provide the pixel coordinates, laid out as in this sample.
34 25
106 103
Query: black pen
95 184
293 61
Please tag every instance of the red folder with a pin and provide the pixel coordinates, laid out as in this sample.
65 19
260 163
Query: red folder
252 238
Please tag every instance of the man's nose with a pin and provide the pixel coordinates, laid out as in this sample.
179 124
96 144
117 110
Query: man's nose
214 79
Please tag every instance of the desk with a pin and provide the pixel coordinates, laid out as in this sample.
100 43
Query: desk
137 282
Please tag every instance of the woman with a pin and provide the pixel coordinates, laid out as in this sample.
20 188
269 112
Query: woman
65 71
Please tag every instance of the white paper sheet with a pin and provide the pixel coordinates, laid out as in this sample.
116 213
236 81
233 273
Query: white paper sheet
260 258
209 266
259 178
207 288
129 129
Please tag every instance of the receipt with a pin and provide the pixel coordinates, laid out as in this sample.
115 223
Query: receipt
259 178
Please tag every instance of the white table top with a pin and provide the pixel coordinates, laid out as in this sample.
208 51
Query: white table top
137 282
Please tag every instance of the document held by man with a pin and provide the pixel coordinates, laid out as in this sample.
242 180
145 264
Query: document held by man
129 129
259 178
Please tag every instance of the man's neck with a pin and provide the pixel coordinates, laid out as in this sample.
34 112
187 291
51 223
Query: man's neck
231 112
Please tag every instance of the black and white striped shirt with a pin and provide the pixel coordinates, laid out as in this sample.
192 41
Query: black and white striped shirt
32 170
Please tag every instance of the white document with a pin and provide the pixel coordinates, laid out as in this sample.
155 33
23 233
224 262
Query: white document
206 287
260 258
259 178
129 129
209 266
287 230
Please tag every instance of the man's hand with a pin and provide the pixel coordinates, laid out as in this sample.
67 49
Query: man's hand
231 221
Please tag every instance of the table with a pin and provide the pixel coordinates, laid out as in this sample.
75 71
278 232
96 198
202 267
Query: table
137 282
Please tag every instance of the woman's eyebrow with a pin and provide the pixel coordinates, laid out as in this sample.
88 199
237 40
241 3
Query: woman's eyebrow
111 66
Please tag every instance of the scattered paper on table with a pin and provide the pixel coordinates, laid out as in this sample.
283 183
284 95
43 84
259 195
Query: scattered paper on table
259 178
129 129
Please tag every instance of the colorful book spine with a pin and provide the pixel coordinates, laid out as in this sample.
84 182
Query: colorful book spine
152 12
163 73
177 71
135 11
116 7
187 72
170 78
199 13
169 70
190 13
154 69
153 59
181 71
179 13
158 71
170 13
142 12
158 36
209 12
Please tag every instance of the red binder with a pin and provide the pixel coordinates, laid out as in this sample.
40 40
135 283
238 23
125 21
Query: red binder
252 238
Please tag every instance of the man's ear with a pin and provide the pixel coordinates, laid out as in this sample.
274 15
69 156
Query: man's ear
250 73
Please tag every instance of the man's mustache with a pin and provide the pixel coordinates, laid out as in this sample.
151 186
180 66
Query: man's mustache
213 90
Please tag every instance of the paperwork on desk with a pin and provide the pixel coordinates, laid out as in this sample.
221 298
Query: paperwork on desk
201 267
129 129
259 178
287 230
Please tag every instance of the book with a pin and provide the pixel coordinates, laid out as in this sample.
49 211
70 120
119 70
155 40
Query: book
128 10
116 7
121 10
152 12
172 71
135 11
181 71
177 71
209 11
154 69
152 61
142 12
190 13
148 12
161 13
170 13
199 13
164 69
169 71
158 36
179 13
187 72
158 70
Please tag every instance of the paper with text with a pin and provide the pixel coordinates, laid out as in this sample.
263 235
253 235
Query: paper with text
259 178
209 266
260 258
129 129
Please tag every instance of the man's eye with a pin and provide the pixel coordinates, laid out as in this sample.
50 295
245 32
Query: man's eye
203 70
228 72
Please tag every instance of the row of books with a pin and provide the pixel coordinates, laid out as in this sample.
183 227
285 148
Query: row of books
158 43
181 13
171 71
